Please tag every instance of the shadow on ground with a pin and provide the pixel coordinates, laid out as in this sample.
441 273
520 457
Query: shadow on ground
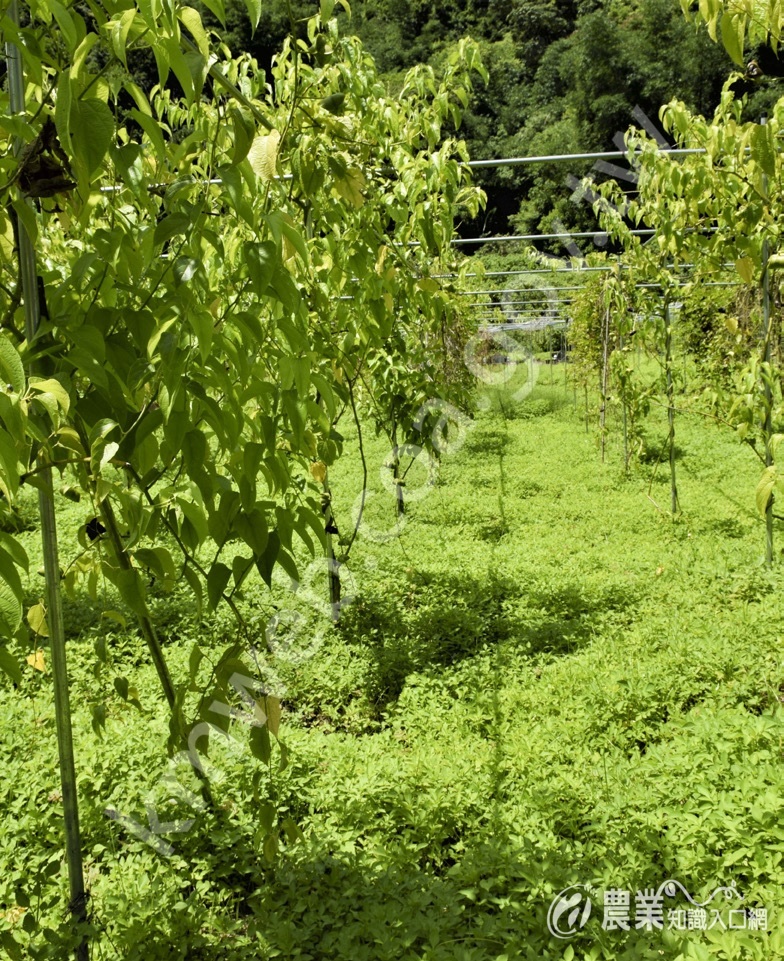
430 621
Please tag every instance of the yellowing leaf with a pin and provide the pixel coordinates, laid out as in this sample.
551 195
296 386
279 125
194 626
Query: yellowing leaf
36 618
318 471
273 712
350 187
36 660
263 155
745 267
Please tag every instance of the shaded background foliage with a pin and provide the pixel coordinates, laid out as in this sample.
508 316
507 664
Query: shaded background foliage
564 77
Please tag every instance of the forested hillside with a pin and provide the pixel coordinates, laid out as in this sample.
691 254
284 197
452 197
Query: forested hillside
565 77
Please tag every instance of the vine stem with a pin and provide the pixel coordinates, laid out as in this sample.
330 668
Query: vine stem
188 557
146 625
56 625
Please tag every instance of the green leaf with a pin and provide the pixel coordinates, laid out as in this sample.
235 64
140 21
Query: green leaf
154 133
66 24
130 586
267 815
194 661
11 595
203 324
244 133
765 488
92 132
270 847
732 31
254 13
99 719
118 618
217 7
151 11
158 560
195 514
288 564
292 830
27 218
11 369
261 259
80 56
763 149
252 528
266 562
9 466
54 389
191 19
16 552
217 579
119 34
170 226
334 103
260 745
192 577
10 665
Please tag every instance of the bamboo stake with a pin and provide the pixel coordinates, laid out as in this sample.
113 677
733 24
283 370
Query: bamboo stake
670 405
333 565
144 619
585 388
625 426
54 613
603 411
398 480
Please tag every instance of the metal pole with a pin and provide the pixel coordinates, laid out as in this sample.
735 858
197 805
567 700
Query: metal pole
625 425
558 270
54 613
768 426
459 241
559 157
605 351
670 405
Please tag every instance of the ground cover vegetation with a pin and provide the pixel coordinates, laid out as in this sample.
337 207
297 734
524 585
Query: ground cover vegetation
540 680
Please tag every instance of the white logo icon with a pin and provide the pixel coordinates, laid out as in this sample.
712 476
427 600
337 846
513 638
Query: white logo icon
569 911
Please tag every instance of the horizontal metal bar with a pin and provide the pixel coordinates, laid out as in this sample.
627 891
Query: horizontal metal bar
531 326
460 241
557 158
516 290
511 303
561 270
